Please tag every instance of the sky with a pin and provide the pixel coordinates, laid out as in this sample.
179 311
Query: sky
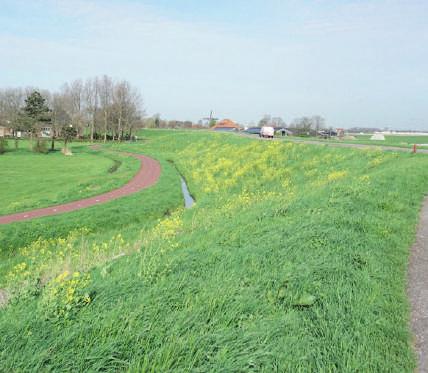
354 62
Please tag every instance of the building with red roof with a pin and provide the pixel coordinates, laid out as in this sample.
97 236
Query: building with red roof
226 125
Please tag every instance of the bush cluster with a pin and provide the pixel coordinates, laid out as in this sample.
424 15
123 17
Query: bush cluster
40 147
3 145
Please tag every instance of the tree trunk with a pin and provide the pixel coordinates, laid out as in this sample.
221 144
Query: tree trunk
105 126
92 130
119 129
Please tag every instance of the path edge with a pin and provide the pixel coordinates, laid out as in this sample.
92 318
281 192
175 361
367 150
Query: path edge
417 289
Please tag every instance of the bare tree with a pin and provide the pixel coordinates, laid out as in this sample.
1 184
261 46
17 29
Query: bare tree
318 122
91 92
302 126
134 113
73 103
278 122
121 102
11 102
265 121
77 96
105 92
60 117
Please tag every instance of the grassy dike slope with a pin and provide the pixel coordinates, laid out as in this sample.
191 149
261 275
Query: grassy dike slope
293 259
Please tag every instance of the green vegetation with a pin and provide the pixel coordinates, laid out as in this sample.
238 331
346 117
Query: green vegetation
33 116
32 181
395 140
3 145
390 140
293 259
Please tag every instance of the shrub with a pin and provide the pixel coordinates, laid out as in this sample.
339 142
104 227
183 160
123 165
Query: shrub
65 295
3 146
40 147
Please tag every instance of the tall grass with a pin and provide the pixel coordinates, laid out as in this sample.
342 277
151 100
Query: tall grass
293 259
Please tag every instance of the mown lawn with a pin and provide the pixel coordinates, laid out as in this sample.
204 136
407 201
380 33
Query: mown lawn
294 258
30 180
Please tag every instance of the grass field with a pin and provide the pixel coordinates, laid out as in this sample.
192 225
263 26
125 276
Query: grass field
400 141
397 140
32 180
294 258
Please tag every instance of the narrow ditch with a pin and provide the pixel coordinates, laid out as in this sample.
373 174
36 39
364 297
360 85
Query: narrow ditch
189 201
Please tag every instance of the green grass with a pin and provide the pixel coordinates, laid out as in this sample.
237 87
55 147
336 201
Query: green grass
294 258
390 140
398 140
32 180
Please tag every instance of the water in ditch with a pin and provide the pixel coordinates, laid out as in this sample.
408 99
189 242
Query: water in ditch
188 199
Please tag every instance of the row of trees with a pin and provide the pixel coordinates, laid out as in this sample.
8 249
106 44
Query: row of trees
303 125
98 108
268 120
308 125
157 122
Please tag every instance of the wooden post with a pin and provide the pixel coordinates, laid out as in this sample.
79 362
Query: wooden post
414 148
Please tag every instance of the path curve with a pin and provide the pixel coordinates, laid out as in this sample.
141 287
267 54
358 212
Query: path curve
147 175
418 289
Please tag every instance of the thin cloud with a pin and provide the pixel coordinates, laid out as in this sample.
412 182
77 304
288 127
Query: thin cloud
353 62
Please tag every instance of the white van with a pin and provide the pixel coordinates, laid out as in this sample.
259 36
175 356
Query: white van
267 132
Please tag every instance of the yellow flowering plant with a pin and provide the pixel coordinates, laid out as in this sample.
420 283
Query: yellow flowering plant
65 295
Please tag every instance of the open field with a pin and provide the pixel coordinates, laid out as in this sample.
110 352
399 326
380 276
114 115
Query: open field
294 258
397 140
390 140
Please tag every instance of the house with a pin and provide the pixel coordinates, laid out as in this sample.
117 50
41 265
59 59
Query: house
226 125
327 133
45 132
283 131
5 131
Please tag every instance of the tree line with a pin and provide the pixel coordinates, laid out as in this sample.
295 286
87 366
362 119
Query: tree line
98 108
156 121
300 126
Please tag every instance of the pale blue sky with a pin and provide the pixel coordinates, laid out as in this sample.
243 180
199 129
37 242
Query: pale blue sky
357 63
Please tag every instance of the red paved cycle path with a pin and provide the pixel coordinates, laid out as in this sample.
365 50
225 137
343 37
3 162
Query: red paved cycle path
147 175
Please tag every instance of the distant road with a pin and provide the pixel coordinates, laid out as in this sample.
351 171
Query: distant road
417 289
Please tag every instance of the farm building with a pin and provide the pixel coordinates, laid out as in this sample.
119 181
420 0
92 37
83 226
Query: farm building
226 125
5 131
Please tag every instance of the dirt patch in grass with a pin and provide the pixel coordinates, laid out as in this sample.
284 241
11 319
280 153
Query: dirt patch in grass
3 298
